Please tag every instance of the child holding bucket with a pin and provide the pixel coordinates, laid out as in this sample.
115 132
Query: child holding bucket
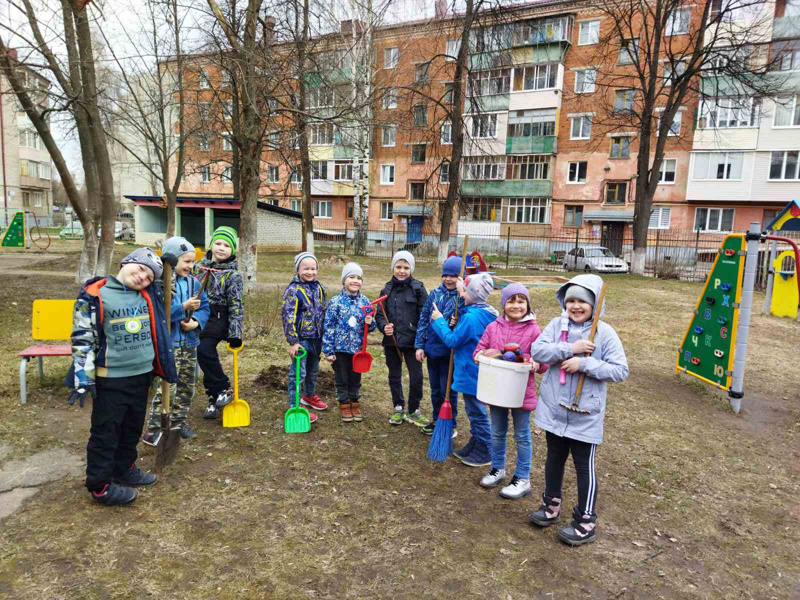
569 431
343 337
516 325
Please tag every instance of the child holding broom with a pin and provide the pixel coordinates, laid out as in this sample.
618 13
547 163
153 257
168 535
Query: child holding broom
569 431
516 325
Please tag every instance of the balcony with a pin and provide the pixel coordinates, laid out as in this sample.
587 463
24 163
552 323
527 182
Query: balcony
786 28
530 188
542 144
484 104
543 31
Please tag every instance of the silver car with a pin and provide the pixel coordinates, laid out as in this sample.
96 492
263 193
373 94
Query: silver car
594 258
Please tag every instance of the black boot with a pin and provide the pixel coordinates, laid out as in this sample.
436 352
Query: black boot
576 534
540 517
115 495
135 477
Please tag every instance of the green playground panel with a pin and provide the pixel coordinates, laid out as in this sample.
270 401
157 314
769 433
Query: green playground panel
14 236
710 340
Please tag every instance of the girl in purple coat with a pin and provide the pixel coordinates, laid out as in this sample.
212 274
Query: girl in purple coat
516 325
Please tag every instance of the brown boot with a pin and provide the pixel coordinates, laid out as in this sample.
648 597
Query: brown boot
355 407
345 412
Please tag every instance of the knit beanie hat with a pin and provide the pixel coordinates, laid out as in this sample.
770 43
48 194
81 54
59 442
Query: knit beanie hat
514 289
452 266
406 256
177 245
146 257
578 292
351 268
479 286
301 257
227 235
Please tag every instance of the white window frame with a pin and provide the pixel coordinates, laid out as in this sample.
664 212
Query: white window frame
678 21
227 174
296 175
523 210
227 143
486 124
592 31
660 217
204 81
319 170
489 83
387 174
444 173
296 205
393 55
668 71
585 80
388 134
446 134
323 206
664 171
677 119
452 49
204 142
535 78
37 199
341 167
44 170
273 173
585 122
794 112
390 98
709 211
205 174
419 114
625 51
322 134
784 154
414 148
727 163
422 72
719 113
386 211
321 96
483 168
577 172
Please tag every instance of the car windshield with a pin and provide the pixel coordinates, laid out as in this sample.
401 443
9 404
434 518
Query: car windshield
599 253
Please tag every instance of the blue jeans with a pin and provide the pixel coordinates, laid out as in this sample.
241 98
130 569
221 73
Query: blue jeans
309 367
522 435
478 420
437 376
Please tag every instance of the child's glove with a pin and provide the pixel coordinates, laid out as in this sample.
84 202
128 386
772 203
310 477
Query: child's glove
80 394
235 342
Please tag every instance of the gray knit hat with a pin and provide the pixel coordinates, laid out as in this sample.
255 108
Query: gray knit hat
578 292
146 257
301 257
479 286
177 245
406 256
351 268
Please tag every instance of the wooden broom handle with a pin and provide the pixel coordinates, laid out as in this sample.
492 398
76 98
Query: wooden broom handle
598 305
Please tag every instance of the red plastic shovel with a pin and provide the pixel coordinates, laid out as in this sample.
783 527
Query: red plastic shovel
362 360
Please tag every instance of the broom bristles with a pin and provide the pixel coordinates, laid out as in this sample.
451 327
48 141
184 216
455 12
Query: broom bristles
441 445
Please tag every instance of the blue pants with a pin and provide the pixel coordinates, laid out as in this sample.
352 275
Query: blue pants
478 420
309 367
522 435
437 376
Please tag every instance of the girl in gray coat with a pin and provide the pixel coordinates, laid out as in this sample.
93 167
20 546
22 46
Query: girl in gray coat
569 431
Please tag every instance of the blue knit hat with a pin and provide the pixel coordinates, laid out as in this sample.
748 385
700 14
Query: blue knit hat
452 266
177 245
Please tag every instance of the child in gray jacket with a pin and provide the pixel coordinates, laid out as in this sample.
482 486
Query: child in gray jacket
569 431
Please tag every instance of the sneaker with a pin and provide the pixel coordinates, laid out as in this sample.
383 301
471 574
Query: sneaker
416 418
135 477
479 457
540 518
212 412
355 408
115 495
224 398
314 402
465 451
576 534
429 428
151 438
345 412
313 417
494 478
187 432
518 488
397 417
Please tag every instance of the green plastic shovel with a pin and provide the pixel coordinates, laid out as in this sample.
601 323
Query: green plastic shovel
297 419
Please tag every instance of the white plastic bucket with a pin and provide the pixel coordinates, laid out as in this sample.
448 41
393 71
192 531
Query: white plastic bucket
502 382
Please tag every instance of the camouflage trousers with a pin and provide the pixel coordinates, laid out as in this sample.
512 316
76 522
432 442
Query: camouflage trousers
180 394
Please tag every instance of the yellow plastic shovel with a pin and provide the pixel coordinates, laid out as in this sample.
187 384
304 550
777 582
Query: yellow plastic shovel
237 413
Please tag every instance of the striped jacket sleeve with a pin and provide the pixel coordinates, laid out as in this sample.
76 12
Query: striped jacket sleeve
85 342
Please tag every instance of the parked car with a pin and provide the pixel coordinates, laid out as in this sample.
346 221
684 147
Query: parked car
73 231
594 258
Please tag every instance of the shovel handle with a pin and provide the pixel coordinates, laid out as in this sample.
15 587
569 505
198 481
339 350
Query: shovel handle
298 356
598 305
167 279
385 316
235 368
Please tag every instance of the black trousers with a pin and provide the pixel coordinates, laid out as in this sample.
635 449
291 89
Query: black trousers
214 379
558 449
414 367
348 382
118 415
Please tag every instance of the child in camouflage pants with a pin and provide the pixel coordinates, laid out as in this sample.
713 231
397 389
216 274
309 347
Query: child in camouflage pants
188 316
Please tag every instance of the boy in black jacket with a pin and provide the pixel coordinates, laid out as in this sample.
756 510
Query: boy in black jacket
406 297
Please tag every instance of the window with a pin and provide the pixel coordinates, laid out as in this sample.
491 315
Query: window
37 199
675 127
319 170
273 139
390 98
481 209
718 165
668 168
323 209
417 189
321 134
444 173
532 123
581 128
730 113
588 32
227 78
577 172
784 165
420 113
486 83
29 138
349 213
672 71
320 96
421 72
448 93
24 168
44 170
573 216
537 31
534 166
787 112
484 126
584 81
628 51
227 143
296 176
204 143
490 39
659 217
616 193
484 167
296 205
713 219
227 174
272 174
203 81
620 147
387 174
623 100
526 210
204 110
386 210
453 46
787 58
678 21
205 174
388 135
390 56
418 153
535 77
227 109
343 170
447 133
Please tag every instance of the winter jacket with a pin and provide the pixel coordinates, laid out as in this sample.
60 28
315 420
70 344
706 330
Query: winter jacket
224 292
403 308
303 312
183 289
427 339
89 340
344 323
469 329
524 332
606 363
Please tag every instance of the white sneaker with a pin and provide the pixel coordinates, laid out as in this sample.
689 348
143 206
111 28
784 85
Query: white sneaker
494 478
518 488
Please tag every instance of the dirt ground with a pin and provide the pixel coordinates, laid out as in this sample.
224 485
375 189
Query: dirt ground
694 501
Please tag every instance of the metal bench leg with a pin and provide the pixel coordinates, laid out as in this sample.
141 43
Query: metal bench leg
41 368
23 391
